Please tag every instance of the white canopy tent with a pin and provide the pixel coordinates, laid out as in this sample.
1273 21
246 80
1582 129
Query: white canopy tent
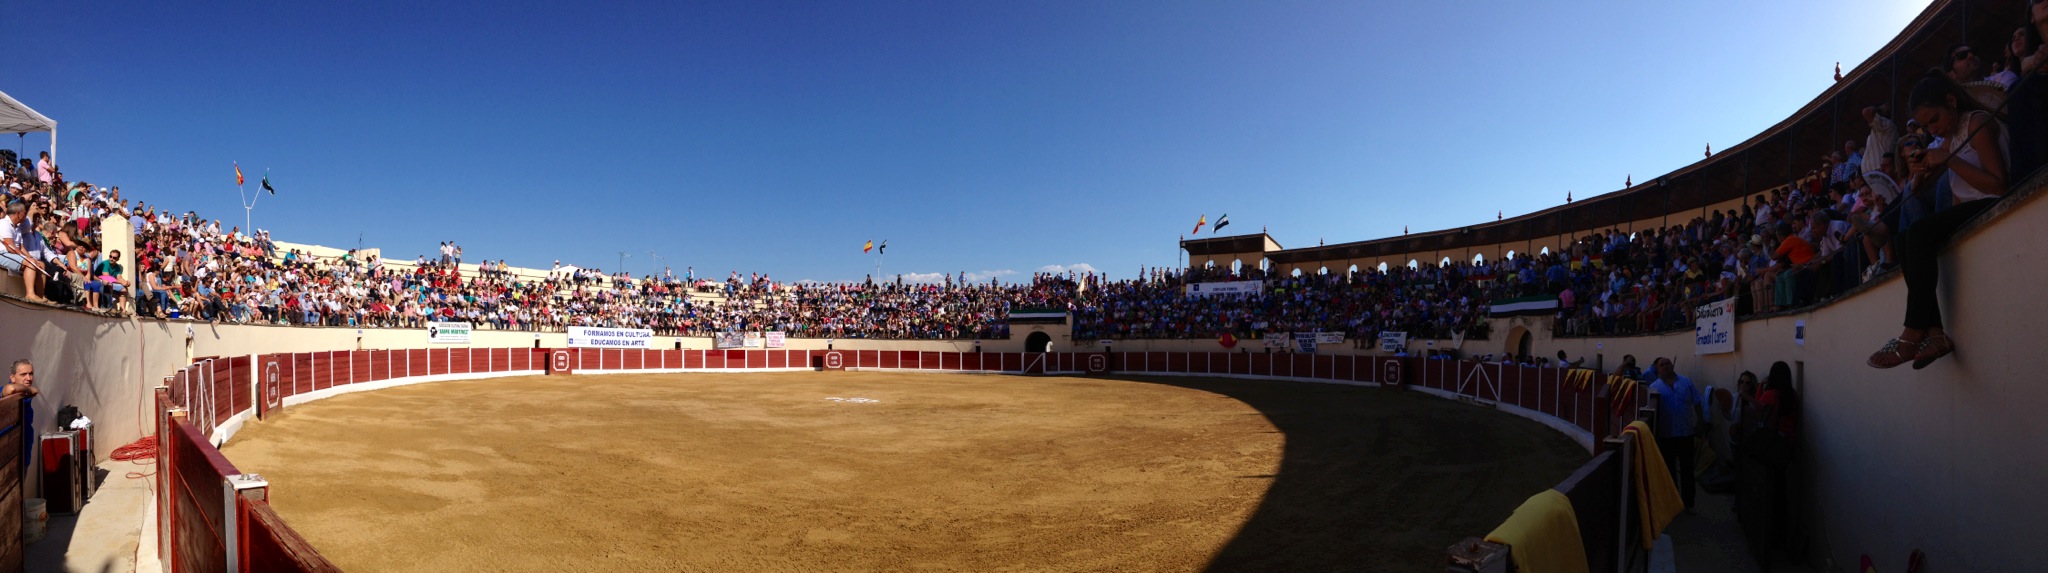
18 118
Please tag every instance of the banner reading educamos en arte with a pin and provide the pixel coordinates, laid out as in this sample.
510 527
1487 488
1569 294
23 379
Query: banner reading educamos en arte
1714 331
593 337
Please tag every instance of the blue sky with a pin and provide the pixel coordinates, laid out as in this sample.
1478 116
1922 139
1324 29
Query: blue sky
974 136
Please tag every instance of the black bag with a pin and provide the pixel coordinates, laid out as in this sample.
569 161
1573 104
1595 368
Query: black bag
60 289
65 415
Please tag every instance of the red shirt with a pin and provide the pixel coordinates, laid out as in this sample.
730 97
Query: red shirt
1788 418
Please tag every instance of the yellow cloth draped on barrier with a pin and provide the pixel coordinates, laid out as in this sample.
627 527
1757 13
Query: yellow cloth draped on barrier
1655 493
1543 535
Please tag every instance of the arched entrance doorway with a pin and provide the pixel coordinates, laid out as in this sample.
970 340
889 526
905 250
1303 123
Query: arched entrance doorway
1519 341
1037 342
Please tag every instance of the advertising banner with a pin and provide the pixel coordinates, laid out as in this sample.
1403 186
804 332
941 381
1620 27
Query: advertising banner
1199 290
593 337
1305 342
448 332
1277 340
1714 330
1393 341
1329 338
728 340
752 340
775 340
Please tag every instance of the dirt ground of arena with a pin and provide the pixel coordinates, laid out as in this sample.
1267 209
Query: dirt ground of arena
874 471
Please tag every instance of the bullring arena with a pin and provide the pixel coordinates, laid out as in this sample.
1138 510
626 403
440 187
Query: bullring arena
1486 398
885 470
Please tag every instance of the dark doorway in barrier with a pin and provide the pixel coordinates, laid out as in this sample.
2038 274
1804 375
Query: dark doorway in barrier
1037 342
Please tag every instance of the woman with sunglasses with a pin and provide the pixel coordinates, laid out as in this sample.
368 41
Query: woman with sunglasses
1973 159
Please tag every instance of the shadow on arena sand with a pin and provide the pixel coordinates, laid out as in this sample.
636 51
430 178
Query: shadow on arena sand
887 471
1381 480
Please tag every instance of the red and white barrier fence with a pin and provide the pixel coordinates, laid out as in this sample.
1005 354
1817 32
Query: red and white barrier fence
213 518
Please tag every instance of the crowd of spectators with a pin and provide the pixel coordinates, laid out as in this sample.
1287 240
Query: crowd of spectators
51 237
1427 301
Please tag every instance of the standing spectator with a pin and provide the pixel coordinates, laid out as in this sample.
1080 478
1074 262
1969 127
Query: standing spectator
1679 412
1963 64
2027 106
46 172
1765 453
2016 51
1974 158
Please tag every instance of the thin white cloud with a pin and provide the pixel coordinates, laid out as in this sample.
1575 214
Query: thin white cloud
978 276
924 277
1080 268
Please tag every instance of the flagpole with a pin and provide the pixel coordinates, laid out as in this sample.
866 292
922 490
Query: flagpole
242 194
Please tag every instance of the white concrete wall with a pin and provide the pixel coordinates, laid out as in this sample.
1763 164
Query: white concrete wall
1951 459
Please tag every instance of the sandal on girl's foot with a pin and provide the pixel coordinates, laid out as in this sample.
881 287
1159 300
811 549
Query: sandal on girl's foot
1933 349
1894 353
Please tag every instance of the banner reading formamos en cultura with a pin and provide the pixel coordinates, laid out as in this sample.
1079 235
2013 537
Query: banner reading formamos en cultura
1714 332
592 337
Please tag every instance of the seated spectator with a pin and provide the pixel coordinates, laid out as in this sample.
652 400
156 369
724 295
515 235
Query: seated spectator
15 255
1974 161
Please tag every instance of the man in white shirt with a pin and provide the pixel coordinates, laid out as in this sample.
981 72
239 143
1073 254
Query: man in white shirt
16 254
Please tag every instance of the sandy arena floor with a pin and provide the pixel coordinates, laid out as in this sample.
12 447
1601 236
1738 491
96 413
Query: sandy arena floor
767 472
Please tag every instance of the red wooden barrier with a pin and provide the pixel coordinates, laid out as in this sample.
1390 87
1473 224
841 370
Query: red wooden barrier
268 544
358 367
199 537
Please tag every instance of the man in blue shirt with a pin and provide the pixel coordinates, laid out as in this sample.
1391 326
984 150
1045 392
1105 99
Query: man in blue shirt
1679 417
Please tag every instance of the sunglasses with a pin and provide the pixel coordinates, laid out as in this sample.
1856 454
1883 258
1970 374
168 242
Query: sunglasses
1960 55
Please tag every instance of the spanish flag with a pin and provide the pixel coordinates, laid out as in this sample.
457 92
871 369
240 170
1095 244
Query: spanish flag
238 174
1199 223
868 247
